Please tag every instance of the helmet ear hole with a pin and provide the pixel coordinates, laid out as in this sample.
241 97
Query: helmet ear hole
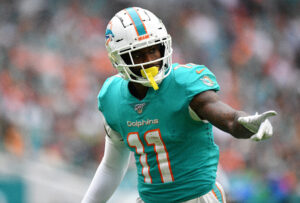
126 58
162 50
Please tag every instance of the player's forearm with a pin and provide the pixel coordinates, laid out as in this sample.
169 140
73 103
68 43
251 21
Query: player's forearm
208 107
226 120
109 173
102 187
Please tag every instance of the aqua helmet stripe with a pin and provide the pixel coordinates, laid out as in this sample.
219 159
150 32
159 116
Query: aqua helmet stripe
137 21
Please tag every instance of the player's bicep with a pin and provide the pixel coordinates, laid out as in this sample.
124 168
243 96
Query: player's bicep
208 106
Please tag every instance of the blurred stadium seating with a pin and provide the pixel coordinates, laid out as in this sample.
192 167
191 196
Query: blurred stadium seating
53 63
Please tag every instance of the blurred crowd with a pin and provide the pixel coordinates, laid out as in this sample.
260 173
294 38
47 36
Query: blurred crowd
53 63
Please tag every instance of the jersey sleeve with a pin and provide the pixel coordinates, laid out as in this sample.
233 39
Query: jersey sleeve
103 92
107 102
196 79
112 134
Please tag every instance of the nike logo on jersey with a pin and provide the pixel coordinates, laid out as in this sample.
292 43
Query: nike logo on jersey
200 71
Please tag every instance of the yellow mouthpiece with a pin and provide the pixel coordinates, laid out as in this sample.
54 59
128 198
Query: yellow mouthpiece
150 73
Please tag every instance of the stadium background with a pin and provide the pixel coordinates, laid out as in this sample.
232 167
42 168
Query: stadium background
53 62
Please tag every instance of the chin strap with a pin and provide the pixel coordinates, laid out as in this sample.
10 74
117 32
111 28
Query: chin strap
149 73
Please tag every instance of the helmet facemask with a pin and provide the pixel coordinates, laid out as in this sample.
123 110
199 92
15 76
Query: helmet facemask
162 63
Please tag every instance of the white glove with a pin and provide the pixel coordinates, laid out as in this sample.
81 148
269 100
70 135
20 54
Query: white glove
258 124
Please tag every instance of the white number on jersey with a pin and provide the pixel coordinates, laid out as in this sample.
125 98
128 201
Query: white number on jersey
153 138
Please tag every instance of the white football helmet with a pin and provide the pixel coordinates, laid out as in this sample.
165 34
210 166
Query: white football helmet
132 29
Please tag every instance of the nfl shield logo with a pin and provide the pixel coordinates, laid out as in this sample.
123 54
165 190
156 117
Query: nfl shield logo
139 108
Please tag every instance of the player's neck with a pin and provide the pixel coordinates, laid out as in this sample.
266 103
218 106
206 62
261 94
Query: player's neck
137 90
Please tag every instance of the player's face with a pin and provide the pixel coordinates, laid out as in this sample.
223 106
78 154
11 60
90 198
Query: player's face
145 55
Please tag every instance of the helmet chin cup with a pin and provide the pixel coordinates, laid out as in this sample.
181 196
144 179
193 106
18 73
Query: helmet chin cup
125 35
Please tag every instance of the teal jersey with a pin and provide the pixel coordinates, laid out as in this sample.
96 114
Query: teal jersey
176 156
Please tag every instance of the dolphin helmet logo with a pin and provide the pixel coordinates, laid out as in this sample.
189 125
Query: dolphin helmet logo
109 35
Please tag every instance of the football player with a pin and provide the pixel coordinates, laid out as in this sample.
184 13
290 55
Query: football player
163 113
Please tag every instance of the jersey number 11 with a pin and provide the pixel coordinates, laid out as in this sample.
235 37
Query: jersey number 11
152 138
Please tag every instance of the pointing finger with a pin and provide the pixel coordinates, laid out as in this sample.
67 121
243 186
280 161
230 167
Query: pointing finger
267 114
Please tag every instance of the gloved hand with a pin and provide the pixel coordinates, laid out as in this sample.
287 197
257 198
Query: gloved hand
258 124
